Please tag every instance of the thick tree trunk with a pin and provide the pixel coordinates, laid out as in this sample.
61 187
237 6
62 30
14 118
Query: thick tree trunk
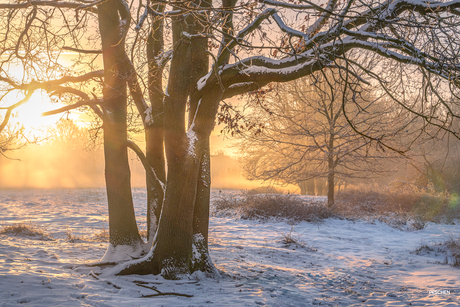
122 222
181 239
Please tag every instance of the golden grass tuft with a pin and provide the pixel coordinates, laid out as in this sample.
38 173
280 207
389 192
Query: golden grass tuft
28 229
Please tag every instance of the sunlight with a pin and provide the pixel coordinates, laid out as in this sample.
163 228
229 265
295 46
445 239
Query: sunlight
29 115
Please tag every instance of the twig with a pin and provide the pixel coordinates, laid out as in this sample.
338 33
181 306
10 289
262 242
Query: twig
92 274
159 293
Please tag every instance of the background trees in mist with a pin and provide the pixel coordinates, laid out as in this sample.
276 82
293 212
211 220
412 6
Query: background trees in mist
306 134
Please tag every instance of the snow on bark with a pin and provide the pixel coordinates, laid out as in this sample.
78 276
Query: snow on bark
148 116
202 82
200 260
192 139
153 223
242 84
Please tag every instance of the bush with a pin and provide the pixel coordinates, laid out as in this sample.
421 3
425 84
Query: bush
261 207
404 201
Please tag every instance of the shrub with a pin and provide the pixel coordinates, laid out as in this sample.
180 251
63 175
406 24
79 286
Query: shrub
406 202
261 207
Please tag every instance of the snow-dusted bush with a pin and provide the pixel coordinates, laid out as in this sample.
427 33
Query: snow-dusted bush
264 206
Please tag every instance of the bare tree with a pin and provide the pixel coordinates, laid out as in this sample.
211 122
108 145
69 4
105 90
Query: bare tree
249 45
306 135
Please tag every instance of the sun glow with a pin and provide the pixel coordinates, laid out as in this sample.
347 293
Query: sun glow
29 115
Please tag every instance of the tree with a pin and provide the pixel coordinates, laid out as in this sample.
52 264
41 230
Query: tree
306 135
246 54
11 138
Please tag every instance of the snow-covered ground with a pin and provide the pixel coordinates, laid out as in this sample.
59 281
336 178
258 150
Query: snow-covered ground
339 262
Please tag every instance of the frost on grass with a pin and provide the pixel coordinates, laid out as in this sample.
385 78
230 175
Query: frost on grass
448 251
27 229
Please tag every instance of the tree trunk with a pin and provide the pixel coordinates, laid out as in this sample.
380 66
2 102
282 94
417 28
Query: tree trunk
122 222
310 186
331 173
302 186
154 132
200 254
320 185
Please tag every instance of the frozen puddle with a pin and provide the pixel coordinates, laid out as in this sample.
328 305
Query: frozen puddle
340 263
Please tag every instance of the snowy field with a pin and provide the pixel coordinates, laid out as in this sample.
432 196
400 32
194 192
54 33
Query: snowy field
338 263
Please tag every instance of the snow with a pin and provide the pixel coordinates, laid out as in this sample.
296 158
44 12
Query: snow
148 116
121 253
335 263
202 82
192 139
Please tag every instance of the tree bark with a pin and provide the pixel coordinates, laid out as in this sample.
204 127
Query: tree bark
122 223
154 132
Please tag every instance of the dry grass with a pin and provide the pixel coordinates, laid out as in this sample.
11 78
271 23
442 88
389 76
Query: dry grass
71 237
453 248
102 235
262 207
27 229
449 250
294 240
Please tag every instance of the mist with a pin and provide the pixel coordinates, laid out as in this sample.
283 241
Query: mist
69 165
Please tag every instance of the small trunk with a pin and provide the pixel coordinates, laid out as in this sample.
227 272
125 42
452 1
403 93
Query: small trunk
320 186
303 188
330 181
310 185
154 131
155 157
330 189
